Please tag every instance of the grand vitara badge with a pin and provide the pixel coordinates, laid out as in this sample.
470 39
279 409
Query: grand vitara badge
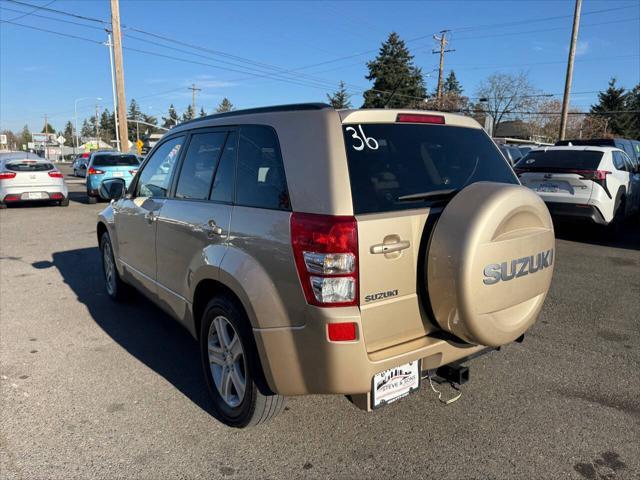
520 267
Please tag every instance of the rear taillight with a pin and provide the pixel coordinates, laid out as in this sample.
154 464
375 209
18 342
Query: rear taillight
341 332
12 198
56 174
85 155
94 171
326 253
133 172
7 175
56 196
419 118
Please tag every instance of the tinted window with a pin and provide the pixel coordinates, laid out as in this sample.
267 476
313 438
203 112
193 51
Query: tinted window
29 166
199 164
572 159
415 159
226 173
155 177
115 161
260 181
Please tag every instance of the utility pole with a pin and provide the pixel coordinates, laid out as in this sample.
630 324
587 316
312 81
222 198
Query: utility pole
567 83
193 97
117 53
46 131
443 49
97 137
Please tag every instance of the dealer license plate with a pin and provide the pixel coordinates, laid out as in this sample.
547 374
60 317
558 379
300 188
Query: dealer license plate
548 187
395 383
35 195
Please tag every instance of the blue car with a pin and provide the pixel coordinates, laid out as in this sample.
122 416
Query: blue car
104 165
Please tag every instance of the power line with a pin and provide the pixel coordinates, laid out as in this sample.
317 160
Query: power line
55 19
52 31
60 12
35 9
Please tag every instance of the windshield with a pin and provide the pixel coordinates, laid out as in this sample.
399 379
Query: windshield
115 160
569 159
27 166
399 160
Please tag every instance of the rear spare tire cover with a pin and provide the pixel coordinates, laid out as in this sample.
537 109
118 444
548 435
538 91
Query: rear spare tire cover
490 263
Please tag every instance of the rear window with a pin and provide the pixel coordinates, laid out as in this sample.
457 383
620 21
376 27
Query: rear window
394 160
29 166
115 160
573 159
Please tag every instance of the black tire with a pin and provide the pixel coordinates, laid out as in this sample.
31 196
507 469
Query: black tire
116 288
65 202
3 206
92 200
256 406
617 224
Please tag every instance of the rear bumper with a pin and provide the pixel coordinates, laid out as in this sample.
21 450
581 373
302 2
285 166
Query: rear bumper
575 211
9 194
301 360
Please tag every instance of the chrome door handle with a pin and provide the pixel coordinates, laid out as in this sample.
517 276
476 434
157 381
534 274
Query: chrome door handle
390 247
150 217
212 228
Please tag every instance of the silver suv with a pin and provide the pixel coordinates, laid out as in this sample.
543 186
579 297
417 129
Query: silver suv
311 250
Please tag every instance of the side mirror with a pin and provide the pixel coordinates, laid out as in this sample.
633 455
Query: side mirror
112 189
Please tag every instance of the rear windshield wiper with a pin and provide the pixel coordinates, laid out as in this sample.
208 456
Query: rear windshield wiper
434 194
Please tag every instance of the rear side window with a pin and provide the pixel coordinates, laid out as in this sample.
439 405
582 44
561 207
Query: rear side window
411 159
571 159
260 180
115 161
198 166
29 166
618 161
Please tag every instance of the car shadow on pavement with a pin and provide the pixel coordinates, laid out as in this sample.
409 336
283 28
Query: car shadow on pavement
627 237
137 325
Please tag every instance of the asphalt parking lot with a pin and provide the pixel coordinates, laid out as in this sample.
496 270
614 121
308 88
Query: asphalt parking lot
93 389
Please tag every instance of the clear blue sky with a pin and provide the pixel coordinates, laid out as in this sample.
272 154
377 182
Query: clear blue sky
43 73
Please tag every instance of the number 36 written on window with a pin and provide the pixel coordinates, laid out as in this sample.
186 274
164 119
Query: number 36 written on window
363 140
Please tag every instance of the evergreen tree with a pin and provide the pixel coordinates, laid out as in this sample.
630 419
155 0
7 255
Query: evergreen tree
632 104
68 134
88 128
48 128
340 98
25 136
398 83
202 112
133 113
172 119
188 114
225 106
612 99
451 84
107 126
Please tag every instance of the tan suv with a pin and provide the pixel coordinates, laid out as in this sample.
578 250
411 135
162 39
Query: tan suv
311 250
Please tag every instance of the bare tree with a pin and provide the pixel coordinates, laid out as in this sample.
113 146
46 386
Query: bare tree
545 123
502 94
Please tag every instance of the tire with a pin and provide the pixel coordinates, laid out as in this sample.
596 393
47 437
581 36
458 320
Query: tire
617 224
116 288
3 206
237 360
92 200
65 202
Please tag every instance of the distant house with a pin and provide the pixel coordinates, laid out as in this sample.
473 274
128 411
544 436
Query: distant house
514 129
149 141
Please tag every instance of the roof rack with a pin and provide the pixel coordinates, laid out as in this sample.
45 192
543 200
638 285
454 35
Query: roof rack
294 107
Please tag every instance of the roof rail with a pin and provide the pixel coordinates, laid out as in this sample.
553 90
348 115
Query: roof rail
293 107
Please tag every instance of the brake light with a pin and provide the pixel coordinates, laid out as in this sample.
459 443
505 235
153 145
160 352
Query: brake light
419 118
341 332
56 196
7 175
12 198
94 171
325 248
133 172
56 174
85 155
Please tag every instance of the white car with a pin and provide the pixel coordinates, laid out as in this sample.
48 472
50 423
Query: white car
25 177
597 184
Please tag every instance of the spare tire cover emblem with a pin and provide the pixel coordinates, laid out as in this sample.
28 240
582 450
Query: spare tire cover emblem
520 267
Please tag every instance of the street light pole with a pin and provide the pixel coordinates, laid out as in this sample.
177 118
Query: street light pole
113 88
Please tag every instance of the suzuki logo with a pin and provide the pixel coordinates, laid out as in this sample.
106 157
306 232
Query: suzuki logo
520 267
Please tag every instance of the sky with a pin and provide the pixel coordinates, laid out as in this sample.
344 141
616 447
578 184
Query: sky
266 53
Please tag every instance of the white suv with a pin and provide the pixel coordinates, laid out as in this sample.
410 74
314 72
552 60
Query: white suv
597 184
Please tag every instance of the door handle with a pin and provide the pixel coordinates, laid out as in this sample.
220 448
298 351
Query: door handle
150 217
212 228
390 247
